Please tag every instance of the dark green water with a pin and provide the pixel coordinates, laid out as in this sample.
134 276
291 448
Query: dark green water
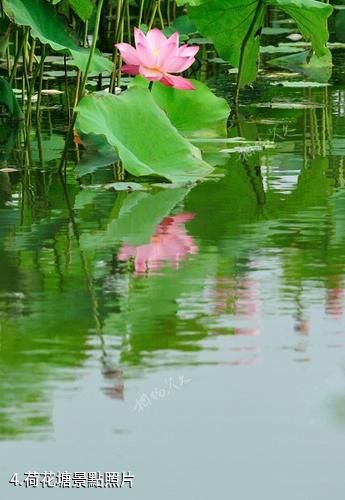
193 336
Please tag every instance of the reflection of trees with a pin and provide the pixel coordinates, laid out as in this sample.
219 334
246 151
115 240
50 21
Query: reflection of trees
302 223
45 311
43 335
234 223
61 281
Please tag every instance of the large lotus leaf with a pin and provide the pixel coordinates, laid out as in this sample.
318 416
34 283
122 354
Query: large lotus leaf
4 35
8 100
146 141
198 113
311 18
183 25
226 23
234 26
49 28
83 8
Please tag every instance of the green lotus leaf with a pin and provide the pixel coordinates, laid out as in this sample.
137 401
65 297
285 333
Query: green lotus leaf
50 28
144 137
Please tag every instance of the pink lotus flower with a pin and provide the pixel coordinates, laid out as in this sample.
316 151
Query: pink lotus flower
170 243
156 57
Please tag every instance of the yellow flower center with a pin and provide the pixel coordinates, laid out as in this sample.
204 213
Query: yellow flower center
155 239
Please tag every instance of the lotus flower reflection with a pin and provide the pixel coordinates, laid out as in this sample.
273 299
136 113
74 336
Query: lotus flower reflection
170 243
155 57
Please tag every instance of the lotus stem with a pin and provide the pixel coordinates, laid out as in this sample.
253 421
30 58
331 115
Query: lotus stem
160 15
16 57
154 12
83 84
93 47
141 13
118 30
243 49
41 68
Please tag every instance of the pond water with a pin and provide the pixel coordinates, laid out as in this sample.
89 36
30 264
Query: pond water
193 336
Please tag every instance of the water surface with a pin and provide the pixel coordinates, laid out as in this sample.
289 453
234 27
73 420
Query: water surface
193 335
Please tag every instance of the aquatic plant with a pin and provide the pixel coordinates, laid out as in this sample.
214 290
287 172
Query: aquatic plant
85 31
235 27
156 57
